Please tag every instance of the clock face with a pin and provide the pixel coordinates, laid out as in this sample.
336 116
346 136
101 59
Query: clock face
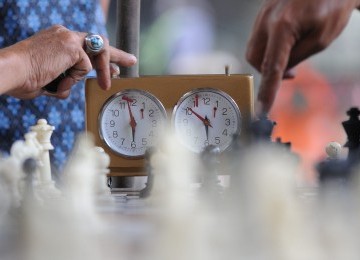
130 122
206 116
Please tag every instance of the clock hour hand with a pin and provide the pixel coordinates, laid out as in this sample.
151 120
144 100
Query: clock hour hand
207 127
132 122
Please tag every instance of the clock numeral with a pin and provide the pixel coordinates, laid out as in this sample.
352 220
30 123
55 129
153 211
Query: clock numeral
151 133
122 141
112 123
122 105
144 141
115 112
188 132
151 113
224 111
217 140
154 123
206 101
115 134
225 132
133 104
227 121
188 111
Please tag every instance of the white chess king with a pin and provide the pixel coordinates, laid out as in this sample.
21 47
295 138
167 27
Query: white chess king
46 186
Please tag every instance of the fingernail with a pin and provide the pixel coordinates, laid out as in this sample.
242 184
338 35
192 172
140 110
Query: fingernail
289 74
133 58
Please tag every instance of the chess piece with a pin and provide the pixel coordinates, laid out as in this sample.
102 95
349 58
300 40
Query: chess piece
262 128
210 159
29 167
81 178
145 192
46 186
352 129
333 169
11 176
103 162
286 145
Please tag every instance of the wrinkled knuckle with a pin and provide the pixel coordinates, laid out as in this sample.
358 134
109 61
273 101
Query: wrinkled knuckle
268 68
70 38
88 67
283 22
58 28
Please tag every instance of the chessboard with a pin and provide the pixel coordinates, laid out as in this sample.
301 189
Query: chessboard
186 210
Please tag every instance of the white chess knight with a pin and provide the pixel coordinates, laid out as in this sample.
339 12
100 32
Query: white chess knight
45 186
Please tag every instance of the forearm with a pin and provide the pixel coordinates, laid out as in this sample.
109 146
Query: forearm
12 71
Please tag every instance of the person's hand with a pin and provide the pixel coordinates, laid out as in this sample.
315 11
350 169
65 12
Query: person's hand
287 32
53 51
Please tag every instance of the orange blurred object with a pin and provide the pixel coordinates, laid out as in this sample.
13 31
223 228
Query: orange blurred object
306 113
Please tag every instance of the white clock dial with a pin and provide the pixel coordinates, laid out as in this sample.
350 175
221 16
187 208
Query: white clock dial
130 122
206 116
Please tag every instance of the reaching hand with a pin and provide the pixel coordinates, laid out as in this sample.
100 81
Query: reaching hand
41 58
287 32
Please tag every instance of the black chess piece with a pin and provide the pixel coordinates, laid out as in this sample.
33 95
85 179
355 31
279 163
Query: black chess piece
352 129
261 129
333 169
286 145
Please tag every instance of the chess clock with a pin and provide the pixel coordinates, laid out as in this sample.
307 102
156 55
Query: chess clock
204 109
206 116
130 121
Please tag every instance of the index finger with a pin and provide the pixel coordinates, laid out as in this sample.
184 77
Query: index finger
102 66
276 57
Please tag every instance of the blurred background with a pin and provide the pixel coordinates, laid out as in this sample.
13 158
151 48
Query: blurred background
202 36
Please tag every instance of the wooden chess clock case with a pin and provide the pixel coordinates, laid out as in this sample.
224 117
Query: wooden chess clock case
168 89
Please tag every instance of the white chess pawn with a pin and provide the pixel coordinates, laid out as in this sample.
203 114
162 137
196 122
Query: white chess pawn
43 134
333 150
11 177
103 162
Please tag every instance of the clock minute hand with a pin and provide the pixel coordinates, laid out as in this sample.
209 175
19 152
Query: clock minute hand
204 120
132 119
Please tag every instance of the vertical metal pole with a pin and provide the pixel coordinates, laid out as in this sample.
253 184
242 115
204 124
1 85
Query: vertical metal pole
128 32
127 39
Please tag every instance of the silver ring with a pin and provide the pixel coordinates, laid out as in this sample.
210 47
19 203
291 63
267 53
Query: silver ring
94 44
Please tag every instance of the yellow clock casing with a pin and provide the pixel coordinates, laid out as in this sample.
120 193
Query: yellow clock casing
168 90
